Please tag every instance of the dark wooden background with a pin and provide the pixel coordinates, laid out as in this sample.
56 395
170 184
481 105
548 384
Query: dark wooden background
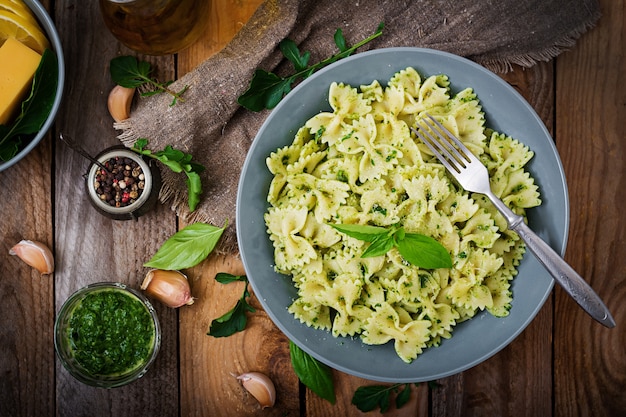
563 364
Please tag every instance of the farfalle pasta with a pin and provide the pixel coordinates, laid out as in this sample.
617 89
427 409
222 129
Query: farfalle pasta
359 164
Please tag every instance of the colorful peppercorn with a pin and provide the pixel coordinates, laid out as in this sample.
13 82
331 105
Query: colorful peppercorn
122 184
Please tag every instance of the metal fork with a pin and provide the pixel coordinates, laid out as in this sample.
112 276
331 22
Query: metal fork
472 175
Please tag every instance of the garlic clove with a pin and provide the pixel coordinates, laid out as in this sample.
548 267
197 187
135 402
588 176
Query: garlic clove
35 254
169 287
119 102
260 387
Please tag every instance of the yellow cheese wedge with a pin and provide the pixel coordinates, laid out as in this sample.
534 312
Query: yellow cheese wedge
18 64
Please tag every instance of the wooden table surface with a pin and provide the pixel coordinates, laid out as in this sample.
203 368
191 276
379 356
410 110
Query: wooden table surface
563 364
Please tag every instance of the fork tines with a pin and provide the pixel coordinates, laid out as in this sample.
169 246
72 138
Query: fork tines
444 145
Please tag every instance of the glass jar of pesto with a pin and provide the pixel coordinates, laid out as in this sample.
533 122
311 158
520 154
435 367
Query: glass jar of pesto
107 335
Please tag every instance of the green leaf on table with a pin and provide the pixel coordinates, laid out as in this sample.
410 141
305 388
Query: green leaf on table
234 320
225 278
404 396
187 247
35 109
371 397
312 373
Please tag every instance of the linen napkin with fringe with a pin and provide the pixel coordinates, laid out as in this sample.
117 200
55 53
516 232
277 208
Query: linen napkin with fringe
218 132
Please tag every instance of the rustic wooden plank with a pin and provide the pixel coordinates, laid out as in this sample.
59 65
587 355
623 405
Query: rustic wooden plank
209 365
590 370
90 247
516 381
26 298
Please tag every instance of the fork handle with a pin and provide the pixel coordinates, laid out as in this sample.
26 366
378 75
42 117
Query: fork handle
560 270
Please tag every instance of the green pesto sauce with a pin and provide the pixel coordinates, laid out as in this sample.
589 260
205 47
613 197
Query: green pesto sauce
111 333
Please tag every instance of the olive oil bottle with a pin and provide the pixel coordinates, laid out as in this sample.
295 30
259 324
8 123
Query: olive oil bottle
156 27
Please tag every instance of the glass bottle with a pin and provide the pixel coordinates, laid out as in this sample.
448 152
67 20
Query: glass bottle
156 27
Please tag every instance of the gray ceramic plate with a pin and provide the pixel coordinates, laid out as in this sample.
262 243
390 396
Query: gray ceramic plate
473 341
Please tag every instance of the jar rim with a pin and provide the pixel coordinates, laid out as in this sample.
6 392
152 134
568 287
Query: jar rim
91 177
72 367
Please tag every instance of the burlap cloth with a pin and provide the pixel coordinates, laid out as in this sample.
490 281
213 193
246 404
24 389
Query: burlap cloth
218 132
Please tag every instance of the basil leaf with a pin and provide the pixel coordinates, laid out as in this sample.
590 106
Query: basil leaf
194 189
420 250
172 154
35 109
10 148
370 397
340 41
362 232
404 396
232 322
129 72
379 246
292 53
312 373
173 165
140 144
178 162
224 278
195 167
186 248
265 91
423 251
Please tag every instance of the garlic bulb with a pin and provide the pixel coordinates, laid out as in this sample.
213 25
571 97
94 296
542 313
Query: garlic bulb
35 254
169 287
260 386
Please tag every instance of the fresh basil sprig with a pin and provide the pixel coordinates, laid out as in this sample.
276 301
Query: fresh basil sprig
177 161
129 72
234 320
370 397
267 89
35 109
187 247
420 250
312 373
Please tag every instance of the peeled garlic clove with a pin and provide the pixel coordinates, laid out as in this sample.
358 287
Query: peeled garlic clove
260 386
35 254
169 287
119 102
